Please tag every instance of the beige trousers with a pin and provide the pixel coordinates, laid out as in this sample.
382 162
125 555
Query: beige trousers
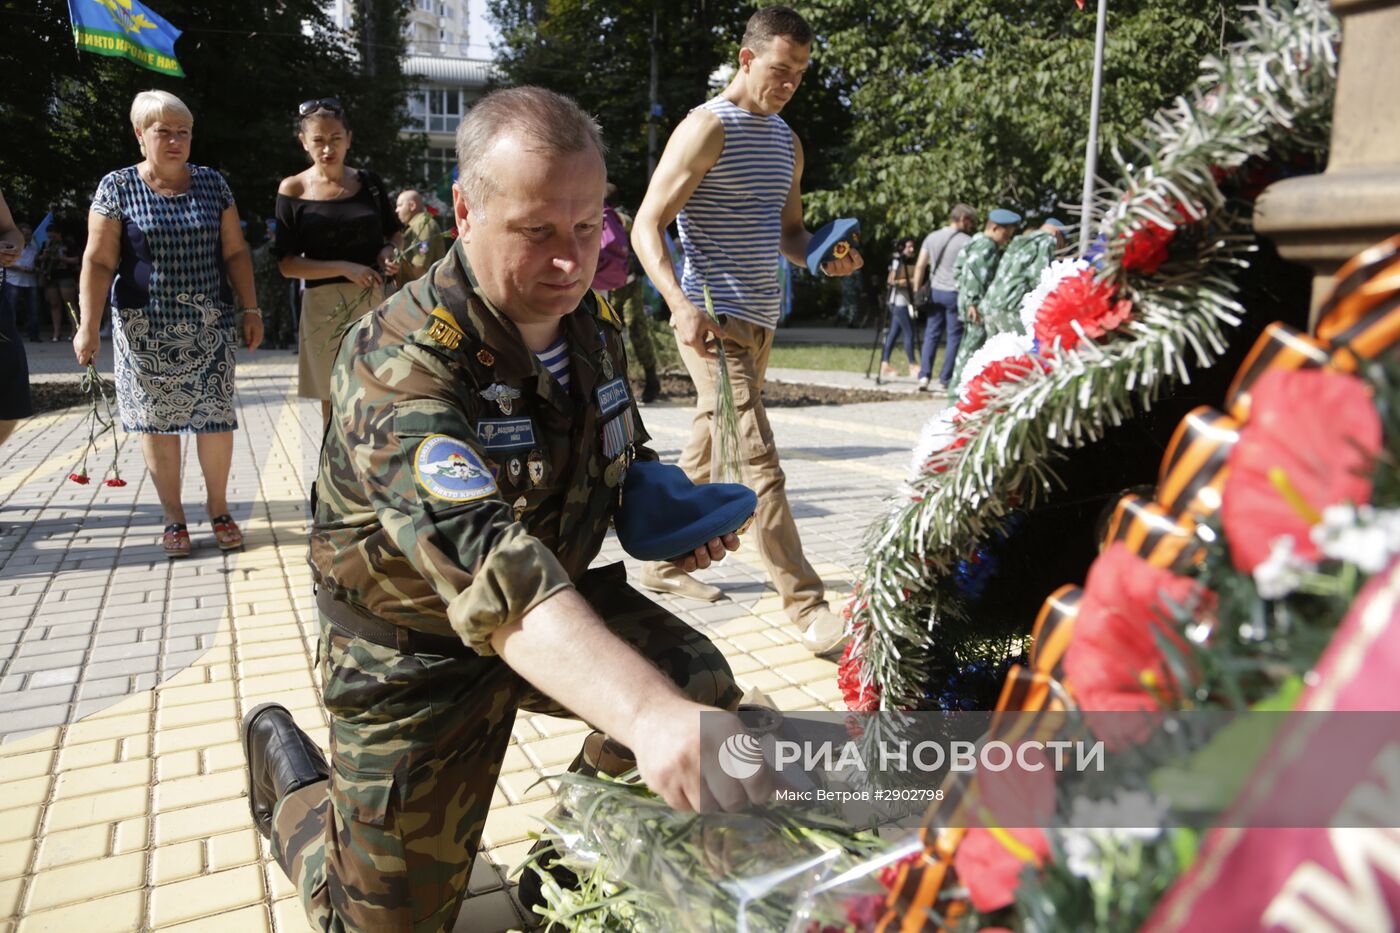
746 347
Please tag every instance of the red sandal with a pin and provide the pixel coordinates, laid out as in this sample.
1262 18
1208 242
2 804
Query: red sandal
176 540
227 532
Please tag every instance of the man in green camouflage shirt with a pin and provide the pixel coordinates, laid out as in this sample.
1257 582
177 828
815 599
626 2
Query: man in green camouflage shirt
464 488
974 271
1017 273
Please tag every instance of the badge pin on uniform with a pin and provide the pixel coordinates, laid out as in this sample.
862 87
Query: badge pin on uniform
502 395
607 364
518 508
485 357
535 466
515 468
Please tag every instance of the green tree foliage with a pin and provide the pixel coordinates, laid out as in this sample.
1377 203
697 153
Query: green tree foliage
247 66
987 101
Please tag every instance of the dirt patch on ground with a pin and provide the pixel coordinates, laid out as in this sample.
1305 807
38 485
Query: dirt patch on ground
51 396
782 394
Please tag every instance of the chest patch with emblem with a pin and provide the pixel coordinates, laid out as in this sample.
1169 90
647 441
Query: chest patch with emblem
506 433
503 395
447 468
612 395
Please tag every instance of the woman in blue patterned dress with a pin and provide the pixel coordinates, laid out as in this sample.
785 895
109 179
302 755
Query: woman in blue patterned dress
164 240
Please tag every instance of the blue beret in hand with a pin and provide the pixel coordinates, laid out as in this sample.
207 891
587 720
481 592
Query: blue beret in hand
664 515
834 241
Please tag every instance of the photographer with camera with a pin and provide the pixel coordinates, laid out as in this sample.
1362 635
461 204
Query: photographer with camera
900 302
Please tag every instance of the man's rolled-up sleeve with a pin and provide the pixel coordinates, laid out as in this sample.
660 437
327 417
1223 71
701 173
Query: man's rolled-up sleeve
461 537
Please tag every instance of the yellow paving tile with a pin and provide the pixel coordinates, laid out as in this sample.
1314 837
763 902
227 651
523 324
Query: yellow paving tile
558 750
252 919
288 916
177 765
118 914
280 647
204 788
193 693
276 664
761 679
202 821
75 845
223 757
200 736
135 704
510 856
177 862
86 881
276 683
14 857
133 747
741 663
87 754
29 765
552 726
81 781
9 896
793 699
229 849
515 760
114 727
812 670
26 792
277 881
192 714
97 808
130 836
521 786
782 654
512 823
20 823
752 641
206 895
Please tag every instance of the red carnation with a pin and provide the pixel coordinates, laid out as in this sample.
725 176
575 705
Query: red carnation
860 697
1010 369
1146 247
115 481
889 875
79 478
990 862
1079 298
1115 661
1311 441
863 911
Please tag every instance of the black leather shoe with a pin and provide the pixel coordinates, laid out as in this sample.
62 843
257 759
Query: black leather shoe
531 890
281 759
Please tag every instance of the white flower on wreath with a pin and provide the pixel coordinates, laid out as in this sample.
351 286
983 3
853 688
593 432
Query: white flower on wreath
1283 571
1086 849
938 432
999 347
1364 536
1050 278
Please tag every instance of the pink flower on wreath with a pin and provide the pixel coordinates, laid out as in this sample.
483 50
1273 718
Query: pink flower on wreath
860 695
1311 441
1083 300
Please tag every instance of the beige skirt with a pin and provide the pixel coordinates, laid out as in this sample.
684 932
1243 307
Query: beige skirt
327 311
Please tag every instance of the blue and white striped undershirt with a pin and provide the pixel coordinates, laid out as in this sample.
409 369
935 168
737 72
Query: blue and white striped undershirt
555 358
731 226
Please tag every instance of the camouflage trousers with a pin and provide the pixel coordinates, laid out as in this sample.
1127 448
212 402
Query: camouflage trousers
387 843
628 301
973 336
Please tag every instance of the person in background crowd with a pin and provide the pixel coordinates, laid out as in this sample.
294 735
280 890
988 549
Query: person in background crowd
977 266
731 177
423 243
164 241
938 258
619 274
15 402
901 308
337 231
280 327
21 292
58 270
1017 273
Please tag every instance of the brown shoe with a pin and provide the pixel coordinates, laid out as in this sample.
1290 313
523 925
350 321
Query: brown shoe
823 633
661 577
281 759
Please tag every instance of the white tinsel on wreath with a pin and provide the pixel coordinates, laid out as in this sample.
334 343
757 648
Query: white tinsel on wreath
1050 277
938 432
998 347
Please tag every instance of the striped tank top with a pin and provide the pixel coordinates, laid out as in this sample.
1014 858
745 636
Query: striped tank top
731 226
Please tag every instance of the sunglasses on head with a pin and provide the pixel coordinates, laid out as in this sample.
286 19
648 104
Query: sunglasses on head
324 103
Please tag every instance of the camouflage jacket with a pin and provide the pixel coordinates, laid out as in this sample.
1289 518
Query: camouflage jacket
1018 272
423 245
976 265
460 484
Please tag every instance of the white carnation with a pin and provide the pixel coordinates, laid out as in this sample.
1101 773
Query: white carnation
937 433
999 347
1282 571
1087 848
1050 278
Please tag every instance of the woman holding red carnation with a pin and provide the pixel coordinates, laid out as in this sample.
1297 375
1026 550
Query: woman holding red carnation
164 246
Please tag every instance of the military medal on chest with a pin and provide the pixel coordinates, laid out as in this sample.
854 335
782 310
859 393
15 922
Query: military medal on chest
502 395
515 468
534 465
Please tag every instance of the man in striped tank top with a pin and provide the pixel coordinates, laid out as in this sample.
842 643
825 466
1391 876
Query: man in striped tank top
730 177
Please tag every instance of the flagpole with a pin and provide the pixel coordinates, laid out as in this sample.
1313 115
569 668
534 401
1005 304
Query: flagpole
1091 149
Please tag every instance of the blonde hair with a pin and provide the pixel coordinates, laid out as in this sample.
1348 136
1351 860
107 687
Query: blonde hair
149 106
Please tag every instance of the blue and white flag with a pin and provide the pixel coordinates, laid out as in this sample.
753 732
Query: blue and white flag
125 29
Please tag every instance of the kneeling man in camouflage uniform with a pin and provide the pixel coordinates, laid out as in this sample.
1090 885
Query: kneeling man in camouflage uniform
481 428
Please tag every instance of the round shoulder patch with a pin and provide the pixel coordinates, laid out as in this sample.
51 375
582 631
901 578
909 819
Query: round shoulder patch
447 468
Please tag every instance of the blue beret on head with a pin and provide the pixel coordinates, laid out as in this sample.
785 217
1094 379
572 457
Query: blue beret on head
1056 222
833 241
1004 217
664 515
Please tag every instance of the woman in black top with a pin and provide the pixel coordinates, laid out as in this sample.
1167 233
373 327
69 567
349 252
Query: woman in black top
337 230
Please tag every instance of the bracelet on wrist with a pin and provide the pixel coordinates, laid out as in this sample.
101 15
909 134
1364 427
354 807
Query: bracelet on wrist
257 311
